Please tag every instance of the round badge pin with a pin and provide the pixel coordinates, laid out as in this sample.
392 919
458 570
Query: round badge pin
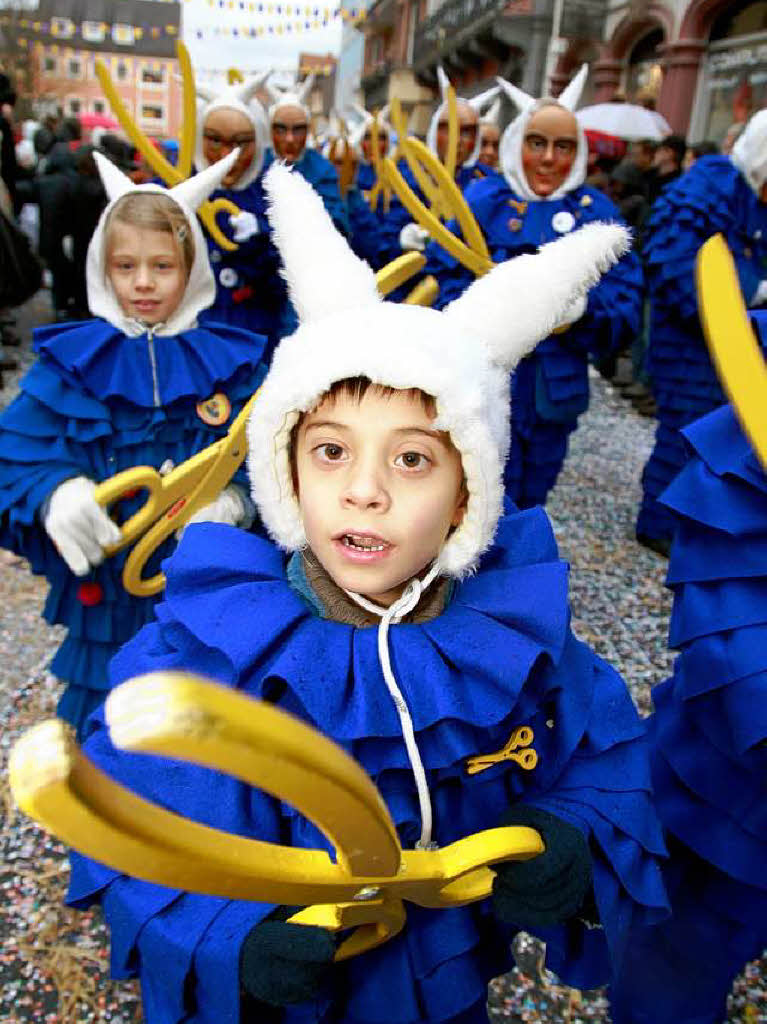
515 224
563 222
586 200
215 411
228 277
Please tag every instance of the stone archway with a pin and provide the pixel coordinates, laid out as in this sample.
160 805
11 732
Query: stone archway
608 70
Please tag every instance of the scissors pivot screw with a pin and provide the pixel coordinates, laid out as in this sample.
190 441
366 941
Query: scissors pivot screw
367 892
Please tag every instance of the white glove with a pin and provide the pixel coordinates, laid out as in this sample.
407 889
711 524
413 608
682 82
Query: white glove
232 507
244 224
574 311
78 525
413 236
760 295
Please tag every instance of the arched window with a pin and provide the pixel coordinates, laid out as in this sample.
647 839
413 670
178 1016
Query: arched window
645 72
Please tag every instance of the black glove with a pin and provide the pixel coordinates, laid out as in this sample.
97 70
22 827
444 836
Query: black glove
282 963
549 888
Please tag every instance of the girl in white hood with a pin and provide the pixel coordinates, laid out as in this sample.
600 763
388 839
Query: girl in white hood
140 384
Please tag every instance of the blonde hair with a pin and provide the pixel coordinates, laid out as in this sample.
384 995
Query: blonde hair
156 212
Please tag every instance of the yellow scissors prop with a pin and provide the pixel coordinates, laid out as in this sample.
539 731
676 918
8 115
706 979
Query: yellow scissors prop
171 501
731 340
163 168
183 716
437 182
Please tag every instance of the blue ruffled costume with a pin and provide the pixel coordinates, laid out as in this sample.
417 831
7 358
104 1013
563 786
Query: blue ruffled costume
709 739
501 654
250 293
713 196
87 408
550 387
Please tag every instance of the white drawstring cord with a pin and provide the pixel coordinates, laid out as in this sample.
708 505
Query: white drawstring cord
395 613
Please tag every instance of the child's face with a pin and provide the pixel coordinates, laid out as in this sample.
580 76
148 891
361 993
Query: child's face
378 489
146 270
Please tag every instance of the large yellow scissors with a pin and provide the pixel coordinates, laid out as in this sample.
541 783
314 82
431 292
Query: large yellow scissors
437 183
731 340
183 716
163 168
171 500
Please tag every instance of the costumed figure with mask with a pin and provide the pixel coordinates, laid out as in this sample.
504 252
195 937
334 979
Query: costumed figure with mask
541 196
708 733
402 614
490 135
249 290
140 385
468 167
289 122
726 194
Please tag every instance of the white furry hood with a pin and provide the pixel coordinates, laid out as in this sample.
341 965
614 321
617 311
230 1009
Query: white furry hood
462 356
242 98
293 97
749 154
201 288
510 151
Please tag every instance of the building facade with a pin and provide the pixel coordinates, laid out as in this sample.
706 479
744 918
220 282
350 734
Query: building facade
137 42
705 61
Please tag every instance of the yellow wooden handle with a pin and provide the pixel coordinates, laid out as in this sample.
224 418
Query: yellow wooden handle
189 112
424 294
451 156
731 340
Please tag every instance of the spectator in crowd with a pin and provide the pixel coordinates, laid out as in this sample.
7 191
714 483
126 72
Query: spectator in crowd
667 164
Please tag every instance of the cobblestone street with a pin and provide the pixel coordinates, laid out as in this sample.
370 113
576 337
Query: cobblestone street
53 962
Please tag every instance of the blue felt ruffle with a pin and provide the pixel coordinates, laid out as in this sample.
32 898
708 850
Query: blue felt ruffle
58 428
712 198
500 655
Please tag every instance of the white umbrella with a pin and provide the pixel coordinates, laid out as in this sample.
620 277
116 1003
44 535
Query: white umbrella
624 120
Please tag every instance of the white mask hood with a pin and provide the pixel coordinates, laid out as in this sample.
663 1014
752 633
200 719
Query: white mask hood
510 151
242 98
357 134
200 288
477 103
749 154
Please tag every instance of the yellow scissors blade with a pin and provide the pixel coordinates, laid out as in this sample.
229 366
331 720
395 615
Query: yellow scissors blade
451 156
424 294
183 716
731 340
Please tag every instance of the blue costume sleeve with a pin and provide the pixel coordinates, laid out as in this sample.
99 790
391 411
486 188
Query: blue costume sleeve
367 237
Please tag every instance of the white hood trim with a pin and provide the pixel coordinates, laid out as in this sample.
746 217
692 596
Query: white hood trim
241 98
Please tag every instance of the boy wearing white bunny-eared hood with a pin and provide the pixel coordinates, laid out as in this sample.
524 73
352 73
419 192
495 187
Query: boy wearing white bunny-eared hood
402 613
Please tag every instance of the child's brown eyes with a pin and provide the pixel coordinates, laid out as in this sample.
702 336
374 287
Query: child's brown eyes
412 460
330 452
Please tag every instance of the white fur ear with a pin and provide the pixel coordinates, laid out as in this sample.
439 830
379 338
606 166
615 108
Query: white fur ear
195 190
493 114
115 183
323 274
478 102
521 301
248 90
444 82
203 92
305 88
521 99
570 96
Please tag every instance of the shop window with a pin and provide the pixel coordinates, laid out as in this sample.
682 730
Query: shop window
123 71
153 75
645 71
50 66
742 19
736 68
74 106
152 112
74 68
99 107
